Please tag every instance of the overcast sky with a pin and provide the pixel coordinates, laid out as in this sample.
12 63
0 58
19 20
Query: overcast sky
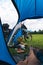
9 15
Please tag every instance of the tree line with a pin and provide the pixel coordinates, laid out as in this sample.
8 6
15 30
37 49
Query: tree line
37 32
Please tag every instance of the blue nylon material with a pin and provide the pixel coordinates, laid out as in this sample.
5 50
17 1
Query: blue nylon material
4 54
29 8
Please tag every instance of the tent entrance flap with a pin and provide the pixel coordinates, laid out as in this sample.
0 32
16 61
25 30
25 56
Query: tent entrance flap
29 9
4 54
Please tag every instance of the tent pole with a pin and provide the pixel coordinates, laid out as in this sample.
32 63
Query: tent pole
15 29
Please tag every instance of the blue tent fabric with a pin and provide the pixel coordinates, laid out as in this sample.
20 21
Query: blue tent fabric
4 54
29 9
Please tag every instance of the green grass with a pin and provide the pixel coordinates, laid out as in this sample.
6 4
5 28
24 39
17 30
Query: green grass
37 41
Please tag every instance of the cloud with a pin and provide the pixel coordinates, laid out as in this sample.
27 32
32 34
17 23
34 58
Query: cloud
34 24
8 13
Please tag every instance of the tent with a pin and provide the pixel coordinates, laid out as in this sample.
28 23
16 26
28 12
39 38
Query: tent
27 9
4 53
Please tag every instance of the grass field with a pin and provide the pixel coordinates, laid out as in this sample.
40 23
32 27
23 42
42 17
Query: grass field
37 41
